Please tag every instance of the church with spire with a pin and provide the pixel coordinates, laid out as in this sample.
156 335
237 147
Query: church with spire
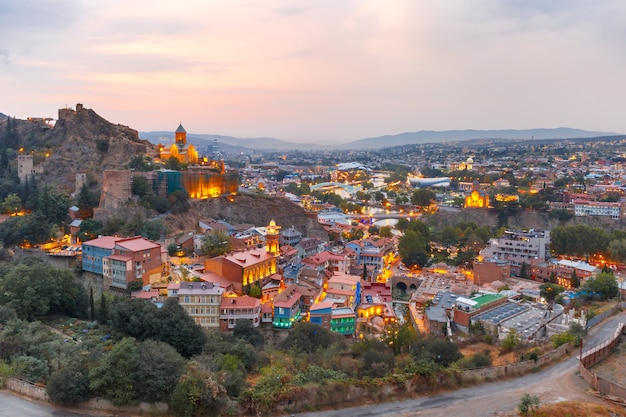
185 152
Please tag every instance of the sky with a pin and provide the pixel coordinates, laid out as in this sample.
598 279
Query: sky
318 71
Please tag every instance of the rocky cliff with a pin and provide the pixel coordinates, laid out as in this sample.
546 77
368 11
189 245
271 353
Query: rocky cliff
81 141
254 209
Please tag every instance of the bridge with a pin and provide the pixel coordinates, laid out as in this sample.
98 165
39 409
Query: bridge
372 217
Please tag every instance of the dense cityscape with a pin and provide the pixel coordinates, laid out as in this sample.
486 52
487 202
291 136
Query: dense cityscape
194 279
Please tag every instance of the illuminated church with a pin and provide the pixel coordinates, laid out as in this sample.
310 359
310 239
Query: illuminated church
185 152
477 197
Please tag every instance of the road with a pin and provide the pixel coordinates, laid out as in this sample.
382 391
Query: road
553 384
14 406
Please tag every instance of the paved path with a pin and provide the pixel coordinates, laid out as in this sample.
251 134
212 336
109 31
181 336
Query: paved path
554 384
557 383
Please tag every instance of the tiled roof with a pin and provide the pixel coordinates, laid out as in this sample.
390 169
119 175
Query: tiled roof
123 258
249 257
287 298
240 302
137 244
105 242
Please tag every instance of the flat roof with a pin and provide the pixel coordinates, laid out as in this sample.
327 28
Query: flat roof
484 299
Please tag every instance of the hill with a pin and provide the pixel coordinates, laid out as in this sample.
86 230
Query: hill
429 136
258 210
81 141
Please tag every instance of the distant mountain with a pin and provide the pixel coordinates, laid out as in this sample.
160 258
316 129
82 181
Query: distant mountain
430 136
229 144
232 145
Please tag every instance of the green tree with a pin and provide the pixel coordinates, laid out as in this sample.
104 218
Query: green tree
198 393
153 229
135 317
231 373
400 337
412 248
617 250
87 201
34 229
603 284
179 202
114 377
173 163
172 249
440 351
178 329
524 270
256 291
246 331
385 231
549 291
308 337
34 289
157 379
89 229
377 362
512 341
403 224
141 163
423 197
140 186
92 306
103 310
215 244
11 204
70 384
30 368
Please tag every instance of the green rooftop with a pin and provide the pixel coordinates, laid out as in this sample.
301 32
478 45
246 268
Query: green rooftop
485 299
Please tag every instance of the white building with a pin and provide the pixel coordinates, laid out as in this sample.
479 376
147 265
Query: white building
532 244
598 208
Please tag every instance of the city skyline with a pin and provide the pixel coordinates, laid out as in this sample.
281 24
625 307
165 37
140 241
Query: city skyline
318 71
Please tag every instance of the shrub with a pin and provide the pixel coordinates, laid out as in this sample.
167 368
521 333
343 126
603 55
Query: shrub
528 404
69 385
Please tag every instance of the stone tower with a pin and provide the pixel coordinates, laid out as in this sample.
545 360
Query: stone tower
25 166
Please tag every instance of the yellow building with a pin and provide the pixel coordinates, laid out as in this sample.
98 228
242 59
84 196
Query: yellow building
185 152
477 197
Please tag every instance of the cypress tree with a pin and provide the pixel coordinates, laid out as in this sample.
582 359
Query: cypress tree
103 312
92 308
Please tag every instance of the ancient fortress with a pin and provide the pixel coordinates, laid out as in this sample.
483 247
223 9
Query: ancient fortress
204 178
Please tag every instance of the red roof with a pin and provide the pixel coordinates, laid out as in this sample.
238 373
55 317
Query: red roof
137 244
244 301
123 258
104 242
249 257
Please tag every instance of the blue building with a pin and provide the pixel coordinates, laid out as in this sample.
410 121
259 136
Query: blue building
96 249
287 308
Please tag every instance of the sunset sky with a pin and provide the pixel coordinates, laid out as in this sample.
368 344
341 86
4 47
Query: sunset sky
318 71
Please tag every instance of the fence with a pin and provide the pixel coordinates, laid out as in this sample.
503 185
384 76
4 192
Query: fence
595 355
27 388
600 317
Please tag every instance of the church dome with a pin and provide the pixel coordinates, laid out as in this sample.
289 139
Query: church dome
469 161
